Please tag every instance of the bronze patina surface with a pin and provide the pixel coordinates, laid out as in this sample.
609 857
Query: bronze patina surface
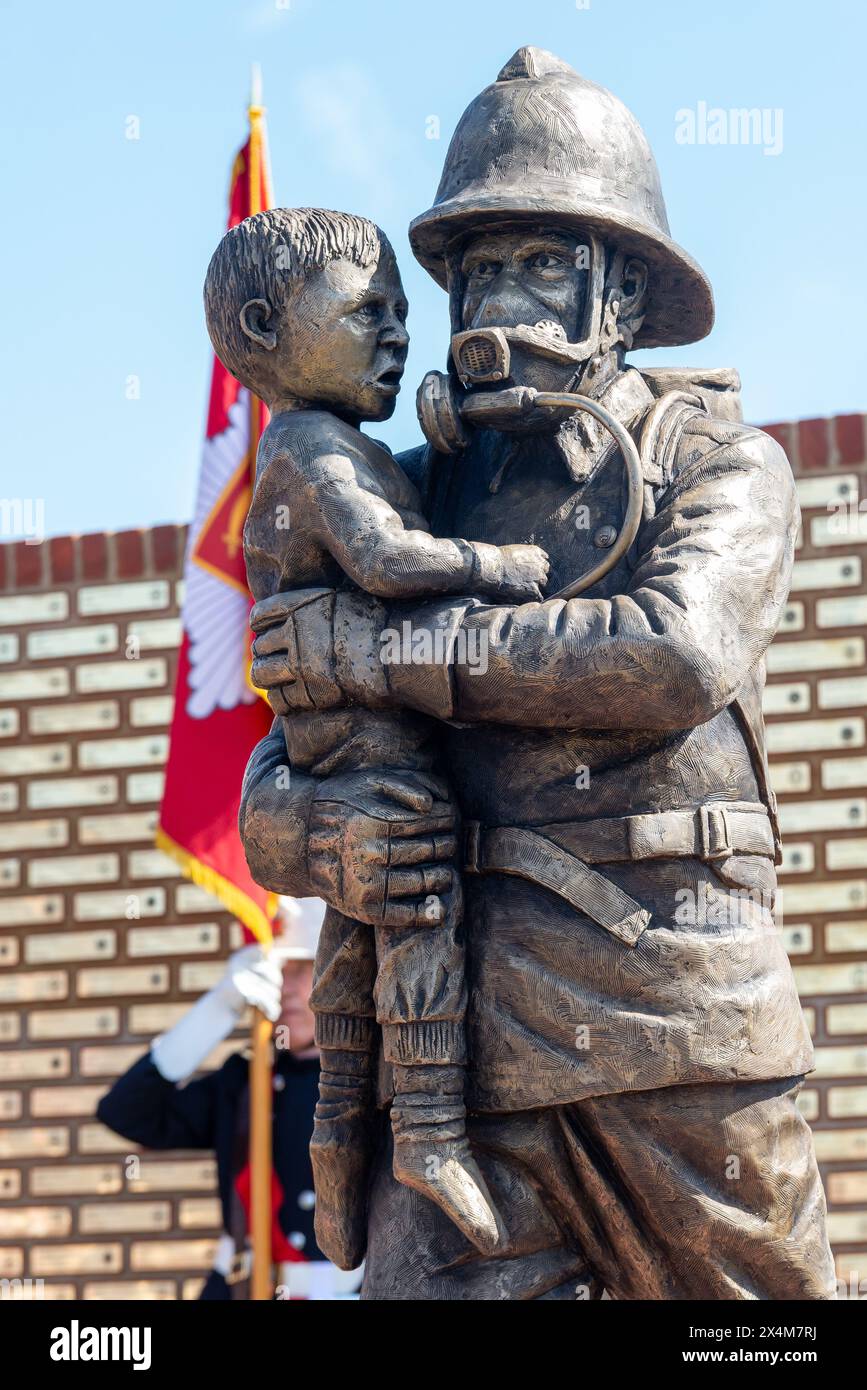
541 821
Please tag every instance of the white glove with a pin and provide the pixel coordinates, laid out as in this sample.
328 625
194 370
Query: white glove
251 978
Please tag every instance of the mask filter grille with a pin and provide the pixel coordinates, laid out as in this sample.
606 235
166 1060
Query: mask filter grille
478 357
481 357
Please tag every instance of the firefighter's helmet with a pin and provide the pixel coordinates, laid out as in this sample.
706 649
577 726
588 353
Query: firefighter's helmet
544 143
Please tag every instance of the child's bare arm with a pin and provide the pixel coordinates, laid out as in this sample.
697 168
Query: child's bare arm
368 539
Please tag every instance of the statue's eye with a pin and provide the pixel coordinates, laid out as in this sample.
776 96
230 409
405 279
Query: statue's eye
368 312
485 270
545 260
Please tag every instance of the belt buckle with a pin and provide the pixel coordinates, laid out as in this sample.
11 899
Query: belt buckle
241 1266
472 839
715 833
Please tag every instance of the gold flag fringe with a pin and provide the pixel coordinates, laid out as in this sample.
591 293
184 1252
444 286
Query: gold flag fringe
234 899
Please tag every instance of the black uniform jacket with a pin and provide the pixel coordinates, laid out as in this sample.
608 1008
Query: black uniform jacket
210 1113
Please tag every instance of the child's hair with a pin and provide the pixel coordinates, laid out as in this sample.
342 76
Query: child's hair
265 256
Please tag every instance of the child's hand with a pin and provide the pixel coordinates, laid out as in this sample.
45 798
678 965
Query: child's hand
525 573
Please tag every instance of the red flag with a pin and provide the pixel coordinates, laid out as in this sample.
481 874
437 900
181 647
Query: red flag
218 718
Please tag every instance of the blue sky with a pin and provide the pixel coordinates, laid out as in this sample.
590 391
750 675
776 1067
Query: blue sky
105 240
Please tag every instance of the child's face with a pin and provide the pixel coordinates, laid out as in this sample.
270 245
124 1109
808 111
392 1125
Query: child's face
343 343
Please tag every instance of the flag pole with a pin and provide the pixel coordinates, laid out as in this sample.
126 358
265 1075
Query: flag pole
261 1086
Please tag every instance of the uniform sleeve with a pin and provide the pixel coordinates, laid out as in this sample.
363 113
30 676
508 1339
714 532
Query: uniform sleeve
146 1109
273 818
712 575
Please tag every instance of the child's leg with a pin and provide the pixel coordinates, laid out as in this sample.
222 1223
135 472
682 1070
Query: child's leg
421 1001
341 1147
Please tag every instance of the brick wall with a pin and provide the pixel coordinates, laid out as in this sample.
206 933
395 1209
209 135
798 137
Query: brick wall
102 944
815 708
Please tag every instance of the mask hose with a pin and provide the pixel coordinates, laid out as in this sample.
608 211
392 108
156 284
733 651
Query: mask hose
495 407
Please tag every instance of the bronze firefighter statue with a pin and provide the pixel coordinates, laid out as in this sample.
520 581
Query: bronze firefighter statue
526 764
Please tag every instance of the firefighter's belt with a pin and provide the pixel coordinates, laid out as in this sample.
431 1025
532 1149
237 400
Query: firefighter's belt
557 856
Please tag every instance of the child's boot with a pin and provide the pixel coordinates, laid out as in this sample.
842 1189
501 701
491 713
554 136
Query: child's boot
342 1145
432 1153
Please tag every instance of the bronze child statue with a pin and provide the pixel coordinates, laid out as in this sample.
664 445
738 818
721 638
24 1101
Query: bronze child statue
307 309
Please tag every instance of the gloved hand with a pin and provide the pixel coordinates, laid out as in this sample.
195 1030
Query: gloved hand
341 638
381 848
251 978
